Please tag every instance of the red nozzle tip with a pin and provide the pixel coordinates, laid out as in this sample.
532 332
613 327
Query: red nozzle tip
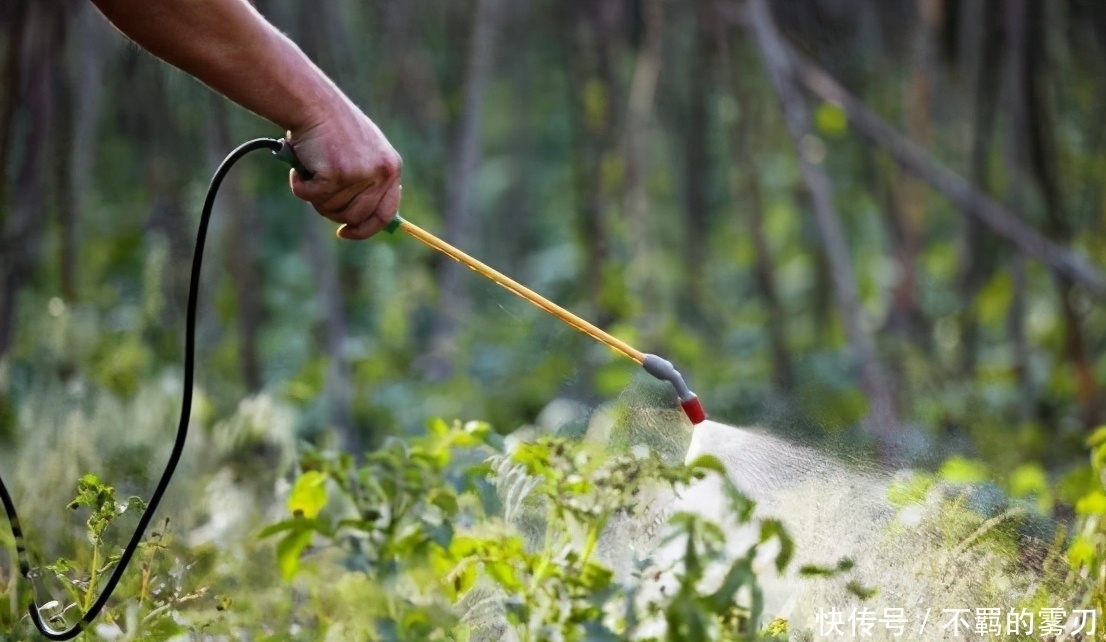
694 410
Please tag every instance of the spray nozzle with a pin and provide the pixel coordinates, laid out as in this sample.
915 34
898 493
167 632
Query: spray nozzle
664 370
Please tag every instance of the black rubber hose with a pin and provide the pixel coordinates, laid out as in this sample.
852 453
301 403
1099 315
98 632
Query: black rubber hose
278 147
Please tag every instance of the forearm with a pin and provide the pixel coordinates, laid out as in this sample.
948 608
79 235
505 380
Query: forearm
230 47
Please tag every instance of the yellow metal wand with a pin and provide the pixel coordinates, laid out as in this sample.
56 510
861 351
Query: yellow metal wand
654 365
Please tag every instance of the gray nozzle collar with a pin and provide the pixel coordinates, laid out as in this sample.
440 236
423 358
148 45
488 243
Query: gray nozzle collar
664 370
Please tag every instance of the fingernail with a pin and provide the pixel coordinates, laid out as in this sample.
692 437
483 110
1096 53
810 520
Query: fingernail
339 232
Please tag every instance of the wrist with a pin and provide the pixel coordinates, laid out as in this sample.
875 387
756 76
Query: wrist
306 97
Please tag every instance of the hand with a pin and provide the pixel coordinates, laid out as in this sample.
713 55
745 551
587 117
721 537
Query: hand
356 171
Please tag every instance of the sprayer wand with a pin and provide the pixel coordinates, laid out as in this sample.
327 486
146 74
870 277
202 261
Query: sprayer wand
660 368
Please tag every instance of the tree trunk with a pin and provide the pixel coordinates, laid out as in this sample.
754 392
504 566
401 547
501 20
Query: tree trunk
15 15
745 187
697 162
515 220
460 225
980 53
635 200
1018 127
594 97
905 197
410 88
91 43
881 419
1033 149
62 148
21 231
241 227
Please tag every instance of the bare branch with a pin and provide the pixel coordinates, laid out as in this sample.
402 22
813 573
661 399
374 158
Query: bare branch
916 160
796 114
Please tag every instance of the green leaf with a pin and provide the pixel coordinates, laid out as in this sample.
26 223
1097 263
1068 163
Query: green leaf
1076 484
995 298
739 575
770 528
1082 552
308 495
445 500
279 527
461 580
1093 503
288 552
959 469
1097 438
437 427
300 523
830 119
472 434
777 628
857 589
708 462
1030 480
465 546
534 457
440 534
61 566
912 490
505 575
598 632
814 570
595 576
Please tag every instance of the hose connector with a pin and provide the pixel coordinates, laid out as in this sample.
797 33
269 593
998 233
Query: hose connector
664 370
288 155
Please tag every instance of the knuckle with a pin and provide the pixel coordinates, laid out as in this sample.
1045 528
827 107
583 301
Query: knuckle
390 166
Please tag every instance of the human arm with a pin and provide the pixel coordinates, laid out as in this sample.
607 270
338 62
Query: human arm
230 47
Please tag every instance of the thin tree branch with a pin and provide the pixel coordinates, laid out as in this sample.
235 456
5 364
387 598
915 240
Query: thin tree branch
796 113
916 160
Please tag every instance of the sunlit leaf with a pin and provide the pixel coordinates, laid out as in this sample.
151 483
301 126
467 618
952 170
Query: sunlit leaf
1093 503
288 552
961 470
1081 552
708 462
830 119
308 495
994 300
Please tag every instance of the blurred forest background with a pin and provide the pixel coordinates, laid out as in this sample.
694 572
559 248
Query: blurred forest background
879 220
885 215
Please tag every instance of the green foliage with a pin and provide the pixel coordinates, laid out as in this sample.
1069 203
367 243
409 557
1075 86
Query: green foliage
412 519
146 613
961 470
1030 481
980 347
830 119
1087 550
